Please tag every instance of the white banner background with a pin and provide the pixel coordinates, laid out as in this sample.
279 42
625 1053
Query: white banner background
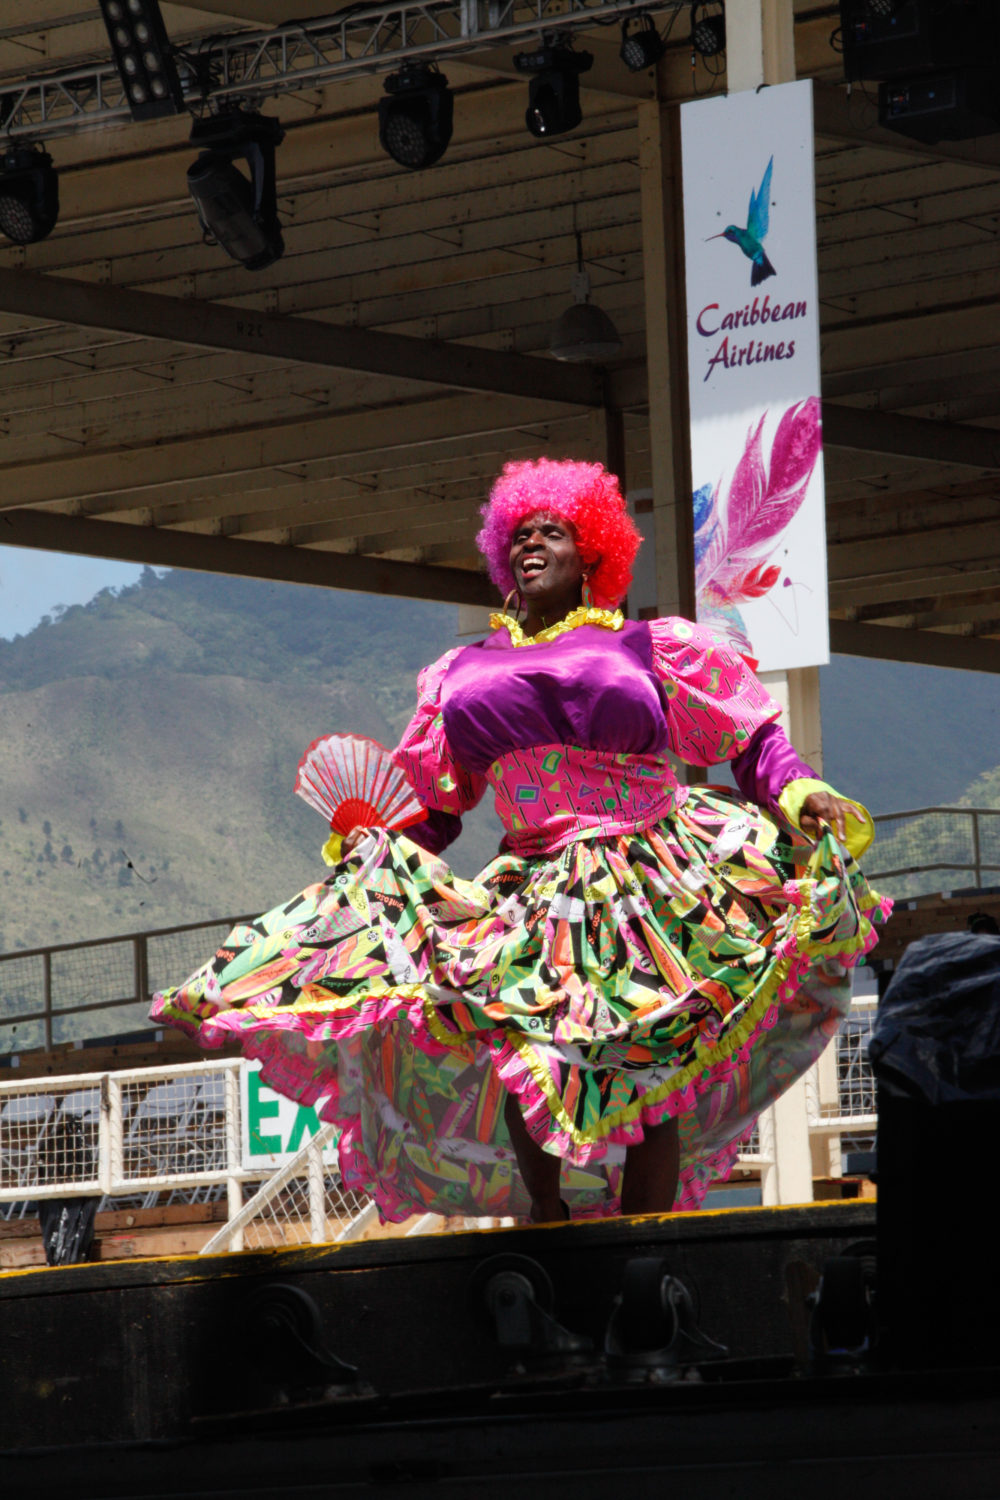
753 358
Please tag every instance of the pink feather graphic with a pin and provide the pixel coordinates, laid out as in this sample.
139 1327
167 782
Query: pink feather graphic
734 539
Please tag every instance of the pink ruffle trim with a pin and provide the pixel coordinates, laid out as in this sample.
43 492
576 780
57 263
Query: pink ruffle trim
260 1041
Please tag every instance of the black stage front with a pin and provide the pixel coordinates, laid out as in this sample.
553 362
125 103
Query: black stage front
169 1377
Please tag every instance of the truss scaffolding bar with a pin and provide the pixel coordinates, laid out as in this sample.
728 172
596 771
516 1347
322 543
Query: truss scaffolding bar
307 54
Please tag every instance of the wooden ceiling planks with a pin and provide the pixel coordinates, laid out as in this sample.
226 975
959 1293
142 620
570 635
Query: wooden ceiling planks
228 445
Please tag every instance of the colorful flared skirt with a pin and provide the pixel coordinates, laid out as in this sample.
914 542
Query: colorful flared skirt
693 970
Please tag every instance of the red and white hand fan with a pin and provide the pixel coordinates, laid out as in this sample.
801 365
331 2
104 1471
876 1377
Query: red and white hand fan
354 782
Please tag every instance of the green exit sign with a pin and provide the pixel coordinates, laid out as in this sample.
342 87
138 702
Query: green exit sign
274 1128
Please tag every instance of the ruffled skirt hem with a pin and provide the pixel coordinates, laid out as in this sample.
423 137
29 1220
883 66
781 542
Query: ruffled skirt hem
606 990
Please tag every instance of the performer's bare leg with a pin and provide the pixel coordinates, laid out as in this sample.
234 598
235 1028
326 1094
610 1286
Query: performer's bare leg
651 1171
539 1168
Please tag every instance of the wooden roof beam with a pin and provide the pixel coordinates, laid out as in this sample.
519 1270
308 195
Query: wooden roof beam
211 325
153 469
865 431
213 554
855 589
927 647
927 609
291 491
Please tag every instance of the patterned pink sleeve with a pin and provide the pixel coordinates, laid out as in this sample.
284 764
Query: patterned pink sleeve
715 703
425 755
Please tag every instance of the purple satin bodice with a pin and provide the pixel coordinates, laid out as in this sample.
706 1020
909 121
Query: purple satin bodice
646 689
590 687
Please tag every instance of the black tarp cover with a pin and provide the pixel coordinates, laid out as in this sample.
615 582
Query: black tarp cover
937 1034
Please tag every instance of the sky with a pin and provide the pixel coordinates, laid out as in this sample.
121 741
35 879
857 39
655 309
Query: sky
32 583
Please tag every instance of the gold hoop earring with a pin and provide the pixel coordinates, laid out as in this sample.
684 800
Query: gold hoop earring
515 593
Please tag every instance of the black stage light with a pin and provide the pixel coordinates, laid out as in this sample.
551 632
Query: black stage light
241 214
554 89
143 57
415 119
29 194
643 47
708 28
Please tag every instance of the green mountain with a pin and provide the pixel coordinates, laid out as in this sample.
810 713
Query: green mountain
900 736
149 740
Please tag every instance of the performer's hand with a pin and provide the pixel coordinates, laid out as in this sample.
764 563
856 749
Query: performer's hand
824 807
352 839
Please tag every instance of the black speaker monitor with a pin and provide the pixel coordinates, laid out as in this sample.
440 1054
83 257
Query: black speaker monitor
887 39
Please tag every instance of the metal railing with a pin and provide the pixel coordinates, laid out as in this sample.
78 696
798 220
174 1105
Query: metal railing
844 1100
913 849
75 991
147 1136
80 991
294 1202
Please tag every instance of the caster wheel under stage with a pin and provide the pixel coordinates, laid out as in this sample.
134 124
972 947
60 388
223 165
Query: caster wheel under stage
842 1325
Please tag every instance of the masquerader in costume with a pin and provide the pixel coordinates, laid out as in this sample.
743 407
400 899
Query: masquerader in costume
641 970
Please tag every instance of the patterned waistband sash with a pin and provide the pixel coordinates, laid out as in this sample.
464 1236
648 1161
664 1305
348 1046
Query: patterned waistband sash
550 795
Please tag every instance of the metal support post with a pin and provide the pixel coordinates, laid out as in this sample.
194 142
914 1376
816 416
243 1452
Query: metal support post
317 1191
977 857
140 968
234 1155
666 355
614 445
116 1145
47 980
104 1136
760 49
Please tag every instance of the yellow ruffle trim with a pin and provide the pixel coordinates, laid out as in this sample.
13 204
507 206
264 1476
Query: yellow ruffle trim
331 850
607 619
721 1050
859 831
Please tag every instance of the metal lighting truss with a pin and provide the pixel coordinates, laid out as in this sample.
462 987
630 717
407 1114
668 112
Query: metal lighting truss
254 65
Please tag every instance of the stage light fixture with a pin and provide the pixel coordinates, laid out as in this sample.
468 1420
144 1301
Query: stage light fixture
708 28
29 194
554 89
144 58
239 213
415 118
584 334
643 47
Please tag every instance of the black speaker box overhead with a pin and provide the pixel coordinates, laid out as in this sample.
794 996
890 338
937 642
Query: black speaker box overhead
932 107
885 39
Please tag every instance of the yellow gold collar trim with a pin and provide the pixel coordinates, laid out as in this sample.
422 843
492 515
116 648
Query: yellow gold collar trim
608 619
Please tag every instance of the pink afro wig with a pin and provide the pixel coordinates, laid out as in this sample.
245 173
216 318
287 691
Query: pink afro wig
587 496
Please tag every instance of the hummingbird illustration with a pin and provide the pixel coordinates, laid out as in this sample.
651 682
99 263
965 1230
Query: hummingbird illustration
751 239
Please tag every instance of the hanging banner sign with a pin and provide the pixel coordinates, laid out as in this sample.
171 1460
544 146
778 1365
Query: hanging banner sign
753 373
274 1128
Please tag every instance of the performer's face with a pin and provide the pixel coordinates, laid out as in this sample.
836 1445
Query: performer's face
546 565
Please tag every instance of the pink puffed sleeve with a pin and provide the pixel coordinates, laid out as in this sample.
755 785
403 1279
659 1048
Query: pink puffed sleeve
444 787
715 703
